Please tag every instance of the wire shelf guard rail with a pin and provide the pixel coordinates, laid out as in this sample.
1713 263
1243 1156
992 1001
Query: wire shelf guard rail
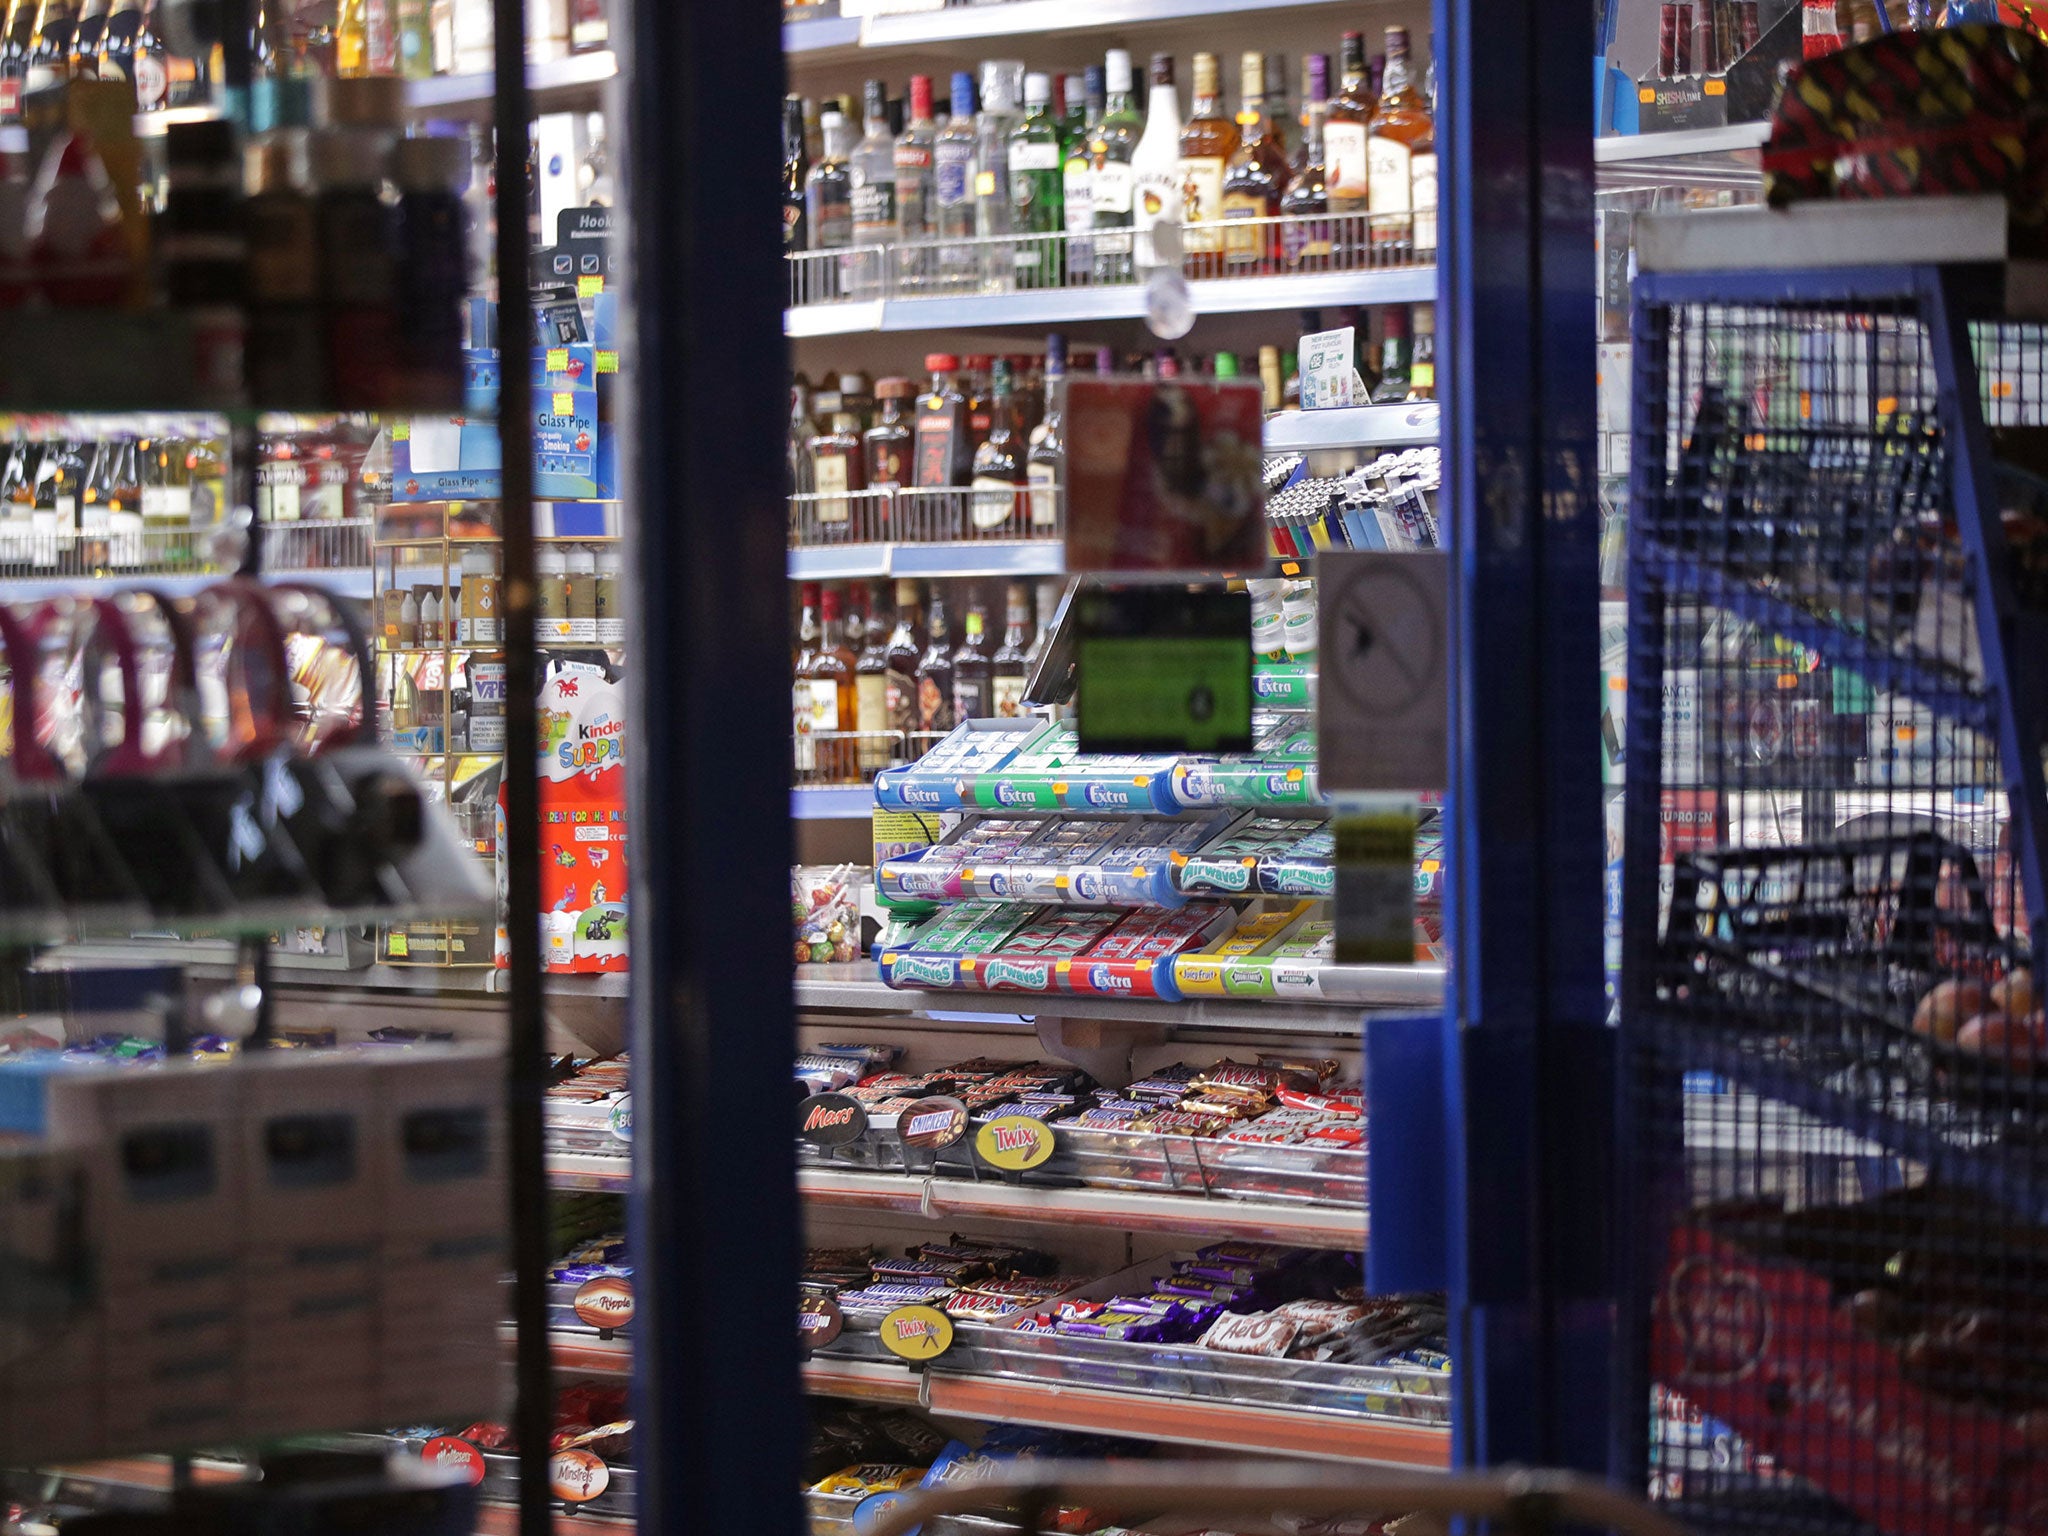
927 515
1292 245
119 550
1524 1501
1835 1081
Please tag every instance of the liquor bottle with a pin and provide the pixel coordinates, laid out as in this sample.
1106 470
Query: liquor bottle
1422 368
802 428
15 37
828 190
1047 466
974 384
49 58
888 442
1035 188
1256 176
117 41
806 657
1156 192
1207 141
414 25
834 702
85 39
912 162
1077 174
1346 126
150 66
838 467
1048 601
945 450
1002 84
1305 240
796 164
953 181
972 668
857 398
93 496
871 687
935 672
1112 142
999 462
352 39
871 171
1392 387
125 545
1401 153
1315 87
1012 664
901 655
1269 378
1273 67
1071 98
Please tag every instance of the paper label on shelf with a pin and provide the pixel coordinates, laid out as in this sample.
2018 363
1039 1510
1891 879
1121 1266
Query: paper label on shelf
1327 377
917 1332
1014 1142
605 1302
1375 885
448 1453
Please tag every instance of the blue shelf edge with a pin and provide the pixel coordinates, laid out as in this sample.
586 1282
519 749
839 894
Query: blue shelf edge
832 802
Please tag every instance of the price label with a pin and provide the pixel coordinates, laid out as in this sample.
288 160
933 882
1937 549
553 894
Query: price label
557 360
1014 1143
578 1476
933 1123
589 287
917 1332
452 1455
818 1321
605 1303
564 403
830 1119
608 361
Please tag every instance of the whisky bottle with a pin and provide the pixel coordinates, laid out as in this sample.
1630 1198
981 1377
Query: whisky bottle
1401 154
973 669
1346 127
1256 176
999 467
904 648
1011 663
935 673
1207 141
1305 239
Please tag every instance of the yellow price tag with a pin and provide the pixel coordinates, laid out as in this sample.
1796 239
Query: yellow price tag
589 287
1014 1142
557 360
401 431
400 949
984 183
608 362
565 403
917 1333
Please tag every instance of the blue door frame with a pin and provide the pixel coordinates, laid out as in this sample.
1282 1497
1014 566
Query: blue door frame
1520 1057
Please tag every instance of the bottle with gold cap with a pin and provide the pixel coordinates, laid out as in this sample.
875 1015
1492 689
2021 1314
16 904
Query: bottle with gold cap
1208 140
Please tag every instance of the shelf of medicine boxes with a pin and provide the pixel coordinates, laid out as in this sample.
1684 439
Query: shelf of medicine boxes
895 287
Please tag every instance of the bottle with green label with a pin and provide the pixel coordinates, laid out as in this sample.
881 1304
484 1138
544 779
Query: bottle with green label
1036 200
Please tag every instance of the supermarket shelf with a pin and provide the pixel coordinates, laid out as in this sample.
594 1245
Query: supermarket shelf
1305 1226
557 82
346 582
833 34
1357 426
212 959
503 1520
967 557
588 1356
1620 148
1067 306
832 802
854 986
590 1171
1221 1423
968 23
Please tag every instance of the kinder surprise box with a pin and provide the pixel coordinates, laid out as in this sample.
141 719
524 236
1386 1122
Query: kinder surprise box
582 821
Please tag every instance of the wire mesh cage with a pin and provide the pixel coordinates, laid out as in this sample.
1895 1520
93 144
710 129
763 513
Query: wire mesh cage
1836 1106
994 513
